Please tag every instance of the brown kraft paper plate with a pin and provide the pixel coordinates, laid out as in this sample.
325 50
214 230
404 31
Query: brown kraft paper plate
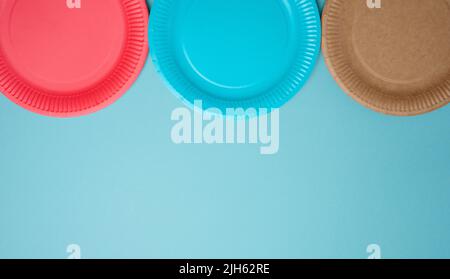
393 58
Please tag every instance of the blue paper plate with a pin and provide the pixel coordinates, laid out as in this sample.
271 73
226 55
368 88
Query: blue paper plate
235 53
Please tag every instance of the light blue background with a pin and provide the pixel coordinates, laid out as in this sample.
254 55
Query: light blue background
115 184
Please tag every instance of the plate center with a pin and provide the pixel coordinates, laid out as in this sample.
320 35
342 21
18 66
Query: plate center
60 47
234 49
404 41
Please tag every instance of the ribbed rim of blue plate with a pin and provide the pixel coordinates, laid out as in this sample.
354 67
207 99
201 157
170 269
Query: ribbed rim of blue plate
188 93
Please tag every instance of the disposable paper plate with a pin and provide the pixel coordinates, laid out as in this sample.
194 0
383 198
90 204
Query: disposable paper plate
235 54
391 56
67 58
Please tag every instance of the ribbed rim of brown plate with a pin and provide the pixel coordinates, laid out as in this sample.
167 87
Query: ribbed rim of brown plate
370 97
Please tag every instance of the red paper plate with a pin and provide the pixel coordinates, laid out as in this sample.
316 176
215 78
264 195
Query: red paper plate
67 58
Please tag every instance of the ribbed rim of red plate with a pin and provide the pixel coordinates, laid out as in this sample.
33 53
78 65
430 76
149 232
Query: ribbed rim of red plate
104 93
